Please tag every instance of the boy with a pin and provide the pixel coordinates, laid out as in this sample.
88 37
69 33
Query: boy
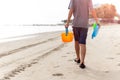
80 11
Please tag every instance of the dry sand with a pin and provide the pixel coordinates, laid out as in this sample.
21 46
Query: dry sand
45 57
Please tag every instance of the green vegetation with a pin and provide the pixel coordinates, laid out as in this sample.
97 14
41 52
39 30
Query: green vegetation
105 11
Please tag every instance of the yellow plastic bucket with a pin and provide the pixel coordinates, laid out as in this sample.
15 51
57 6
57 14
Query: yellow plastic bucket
67 36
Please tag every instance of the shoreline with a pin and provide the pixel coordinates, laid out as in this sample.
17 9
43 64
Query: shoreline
34 34
20 37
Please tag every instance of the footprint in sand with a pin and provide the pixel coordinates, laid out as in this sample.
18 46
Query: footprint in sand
21 68
11 75
58 74
119 64
29 65
67 53
14 72
6 78
70 60
18 70
64 56
118 53
34 62
115 45
111 58
106 71
56 66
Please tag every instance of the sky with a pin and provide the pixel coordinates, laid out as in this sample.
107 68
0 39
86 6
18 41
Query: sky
38 11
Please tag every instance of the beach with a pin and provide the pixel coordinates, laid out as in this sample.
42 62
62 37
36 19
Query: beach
43 56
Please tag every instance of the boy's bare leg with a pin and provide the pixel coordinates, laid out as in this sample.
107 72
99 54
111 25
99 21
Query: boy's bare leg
77 49
83 52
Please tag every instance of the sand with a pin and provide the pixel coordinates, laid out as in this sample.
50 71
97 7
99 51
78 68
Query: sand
45 57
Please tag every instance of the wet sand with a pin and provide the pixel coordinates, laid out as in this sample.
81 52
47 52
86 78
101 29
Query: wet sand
46 57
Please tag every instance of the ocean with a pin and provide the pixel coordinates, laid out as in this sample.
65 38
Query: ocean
15 32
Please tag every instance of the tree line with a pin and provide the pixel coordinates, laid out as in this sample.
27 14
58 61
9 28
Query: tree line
105 11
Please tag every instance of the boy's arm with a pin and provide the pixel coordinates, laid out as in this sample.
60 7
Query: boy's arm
94 15
69 17
92 10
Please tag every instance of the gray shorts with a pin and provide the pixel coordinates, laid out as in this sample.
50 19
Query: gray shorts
80 34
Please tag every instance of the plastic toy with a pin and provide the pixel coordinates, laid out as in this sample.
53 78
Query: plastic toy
95 30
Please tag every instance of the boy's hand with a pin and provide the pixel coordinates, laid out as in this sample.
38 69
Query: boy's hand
98 23
66 25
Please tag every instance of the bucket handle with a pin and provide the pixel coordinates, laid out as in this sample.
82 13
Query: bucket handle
66 31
